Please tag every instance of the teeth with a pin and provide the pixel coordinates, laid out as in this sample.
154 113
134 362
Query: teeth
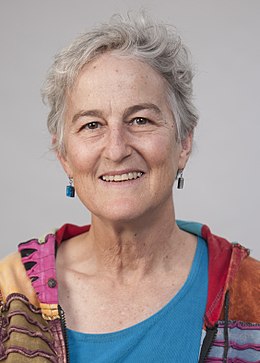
122 177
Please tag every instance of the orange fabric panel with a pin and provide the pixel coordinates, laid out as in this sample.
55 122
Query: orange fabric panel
13 279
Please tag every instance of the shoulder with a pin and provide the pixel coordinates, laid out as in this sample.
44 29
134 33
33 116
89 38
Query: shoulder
11 270
13 278
245 292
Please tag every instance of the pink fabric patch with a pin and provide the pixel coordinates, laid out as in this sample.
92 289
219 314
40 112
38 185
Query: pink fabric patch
46 285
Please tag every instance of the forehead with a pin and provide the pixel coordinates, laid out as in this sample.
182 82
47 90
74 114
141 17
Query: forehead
111 78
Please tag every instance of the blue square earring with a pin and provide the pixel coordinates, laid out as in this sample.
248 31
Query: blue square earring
70 190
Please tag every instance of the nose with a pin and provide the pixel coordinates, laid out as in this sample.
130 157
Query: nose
117 145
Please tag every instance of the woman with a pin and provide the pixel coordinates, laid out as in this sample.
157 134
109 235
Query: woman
136 286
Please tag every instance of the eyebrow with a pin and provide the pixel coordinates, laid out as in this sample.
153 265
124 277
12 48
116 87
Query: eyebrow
129 111
93 113
142 106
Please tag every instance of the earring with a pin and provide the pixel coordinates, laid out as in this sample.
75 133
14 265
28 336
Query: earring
70 190
180 182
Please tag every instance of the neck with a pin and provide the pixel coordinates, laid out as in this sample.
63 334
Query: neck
134 249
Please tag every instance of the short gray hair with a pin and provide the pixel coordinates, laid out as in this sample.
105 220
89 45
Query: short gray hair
139 37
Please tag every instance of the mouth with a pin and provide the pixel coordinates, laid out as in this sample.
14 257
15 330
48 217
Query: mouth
133 175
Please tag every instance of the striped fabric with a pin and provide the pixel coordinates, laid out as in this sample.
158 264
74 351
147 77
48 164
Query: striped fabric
242 342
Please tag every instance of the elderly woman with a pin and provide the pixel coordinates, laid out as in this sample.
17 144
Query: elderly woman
135 286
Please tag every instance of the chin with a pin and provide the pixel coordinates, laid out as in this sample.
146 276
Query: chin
119 212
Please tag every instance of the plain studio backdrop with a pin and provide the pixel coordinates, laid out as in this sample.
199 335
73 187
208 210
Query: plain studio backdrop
222 178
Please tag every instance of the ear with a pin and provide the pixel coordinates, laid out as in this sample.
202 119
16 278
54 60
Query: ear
61 156
64 163
186 147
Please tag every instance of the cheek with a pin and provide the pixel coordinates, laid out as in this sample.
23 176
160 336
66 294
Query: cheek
165 152
164 157
79 157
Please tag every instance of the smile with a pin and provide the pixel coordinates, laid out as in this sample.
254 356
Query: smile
122 177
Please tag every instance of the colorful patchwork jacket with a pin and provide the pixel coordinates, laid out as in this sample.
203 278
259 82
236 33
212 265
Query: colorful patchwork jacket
32 324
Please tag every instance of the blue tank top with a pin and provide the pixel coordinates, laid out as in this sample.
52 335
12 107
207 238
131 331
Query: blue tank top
172 334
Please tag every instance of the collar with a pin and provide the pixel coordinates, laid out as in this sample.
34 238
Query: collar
224 261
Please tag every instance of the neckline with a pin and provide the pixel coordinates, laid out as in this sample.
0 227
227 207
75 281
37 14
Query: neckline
161 312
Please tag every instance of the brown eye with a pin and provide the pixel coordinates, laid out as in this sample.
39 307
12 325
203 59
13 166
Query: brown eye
92 125
140 121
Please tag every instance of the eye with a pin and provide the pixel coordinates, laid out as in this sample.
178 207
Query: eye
139 121
91 125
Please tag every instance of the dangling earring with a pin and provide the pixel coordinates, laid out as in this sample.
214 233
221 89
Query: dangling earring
70 190
180 182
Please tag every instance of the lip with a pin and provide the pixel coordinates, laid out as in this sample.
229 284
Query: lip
124 183
120 172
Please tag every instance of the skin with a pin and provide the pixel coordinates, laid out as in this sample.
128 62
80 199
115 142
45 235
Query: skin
118 121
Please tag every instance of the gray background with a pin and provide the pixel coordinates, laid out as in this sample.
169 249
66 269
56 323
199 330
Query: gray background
222 179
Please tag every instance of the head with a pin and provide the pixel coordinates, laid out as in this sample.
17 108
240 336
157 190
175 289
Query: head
135 37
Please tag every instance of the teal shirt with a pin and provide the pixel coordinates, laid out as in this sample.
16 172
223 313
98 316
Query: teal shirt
172 334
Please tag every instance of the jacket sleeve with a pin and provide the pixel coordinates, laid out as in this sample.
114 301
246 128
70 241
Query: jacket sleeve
245 292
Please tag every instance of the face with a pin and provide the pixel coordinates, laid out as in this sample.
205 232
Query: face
120 139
